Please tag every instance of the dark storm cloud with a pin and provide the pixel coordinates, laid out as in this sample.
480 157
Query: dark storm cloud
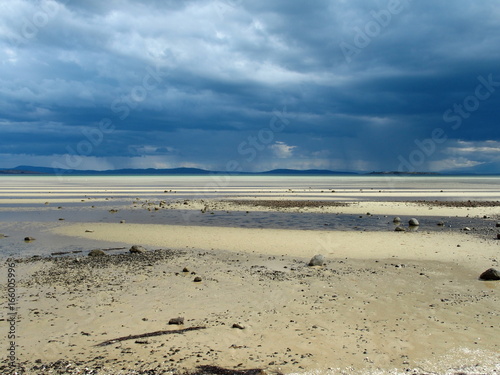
364 84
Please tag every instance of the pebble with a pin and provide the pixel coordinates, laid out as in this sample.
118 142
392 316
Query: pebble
396 220
29 239
400 229
414 222
176 321
197 279
97 253
317 260
137 249
238 326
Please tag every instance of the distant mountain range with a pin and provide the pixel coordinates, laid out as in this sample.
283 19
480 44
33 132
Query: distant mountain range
30 170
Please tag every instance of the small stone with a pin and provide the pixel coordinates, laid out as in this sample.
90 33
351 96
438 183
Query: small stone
185 269
399 229
317 260
144 342
89 231
490 274
413 222
61 219
97 253
467 229
176 321
136 249
498 236
122 221
498 224
441 224
29 239
197 279
238 326
396 220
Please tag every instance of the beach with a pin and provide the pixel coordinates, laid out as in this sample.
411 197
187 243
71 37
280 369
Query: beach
230 256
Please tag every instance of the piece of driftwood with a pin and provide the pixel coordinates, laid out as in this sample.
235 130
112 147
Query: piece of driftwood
149 334
215 370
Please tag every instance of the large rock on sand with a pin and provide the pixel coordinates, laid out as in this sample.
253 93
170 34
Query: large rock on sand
137 249
490 274
317 260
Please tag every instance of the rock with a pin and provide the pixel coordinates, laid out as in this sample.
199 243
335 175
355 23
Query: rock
185 269
176 321
396 220
197 279
498 224
29 239
413 222
238 326
89 231
122 221
441 224
143 341
97 253
400 229
317 260
136 249
490 274
498 236
467 229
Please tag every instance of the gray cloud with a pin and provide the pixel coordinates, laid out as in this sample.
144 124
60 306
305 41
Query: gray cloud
187 82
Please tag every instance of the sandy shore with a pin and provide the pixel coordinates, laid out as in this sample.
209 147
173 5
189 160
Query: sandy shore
385 302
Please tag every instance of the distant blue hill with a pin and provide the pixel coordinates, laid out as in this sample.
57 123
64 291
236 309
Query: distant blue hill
309 172
30 170
26 169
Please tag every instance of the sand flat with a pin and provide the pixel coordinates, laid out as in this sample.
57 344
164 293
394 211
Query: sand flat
384 302
297 243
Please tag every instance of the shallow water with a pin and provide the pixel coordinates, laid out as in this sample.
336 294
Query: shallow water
76 196
19 224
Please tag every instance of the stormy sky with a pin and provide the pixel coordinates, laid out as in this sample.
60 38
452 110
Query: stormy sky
251 85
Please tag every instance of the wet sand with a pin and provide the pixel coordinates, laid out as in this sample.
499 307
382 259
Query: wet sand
385 302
